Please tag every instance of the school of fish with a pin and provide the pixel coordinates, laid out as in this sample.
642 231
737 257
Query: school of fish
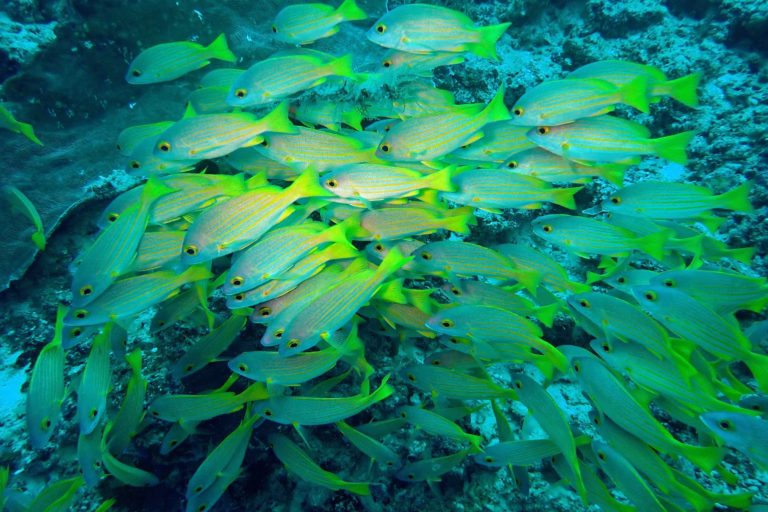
336 226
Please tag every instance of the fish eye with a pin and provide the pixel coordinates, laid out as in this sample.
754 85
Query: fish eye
518 111
241 93
649 295
596 420
379 247
669 283
332 183
265 143
274 29
76 332
173 443
436 362
426 255
279 333
135 164
411 377
621 280
267 413
86 290
136 73
385 148
242 367
455 291
93 413
46 423
726 425
577 367
189 368
455 341
387 63
518 384
293 343
615 200
164 147
601 455
265 311
403 415
390 463
606 347
542 130
237 281
547 228
584 303
202 508
198 489
381 28
239 296
488 459
447 323
512 164
155 414
112 217
190 250
411 476
81 313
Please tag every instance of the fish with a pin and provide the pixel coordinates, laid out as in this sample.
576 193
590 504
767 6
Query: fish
742 432
133 295
225 458
8 122
95 383
89 456
621 72
503 330
584 235
209 100
614 400
306 23
127 474
626 477
725 292
448 383
228 227
540 163
395 223
430 470
22 205
437 425
381 182
222 77
376 450
191 408
699 324
497 188
143 161
321 317
207 348
421 28
660 200
278 250
213 135
299 463
127 421
553 421
319 149
453 259
609 139
426 138
559 102
168 61
113 252
158 249
250 160
500 140
406 63
328 114
129 138
56 496
278 77
553 274
46 388
310 410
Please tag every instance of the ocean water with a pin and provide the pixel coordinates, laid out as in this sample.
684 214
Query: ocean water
393 337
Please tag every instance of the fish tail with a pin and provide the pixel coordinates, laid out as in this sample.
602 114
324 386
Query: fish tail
349 11
737 199
134 360
546 314
459 223
441 180
742 254
257 180
195 273
705 457
28 131
278 120
653 244
218 49
383 391
635 94
564 197
360 488
392 291
38 238
475 441
155 189
673 147
343 231
353 118
683 89
342 66
496 109
489 36
392 262
758 365
307 185
613 173
421 300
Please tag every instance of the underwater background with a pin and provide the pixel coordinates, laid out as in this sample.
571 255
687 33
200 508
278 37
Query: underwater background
62 69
